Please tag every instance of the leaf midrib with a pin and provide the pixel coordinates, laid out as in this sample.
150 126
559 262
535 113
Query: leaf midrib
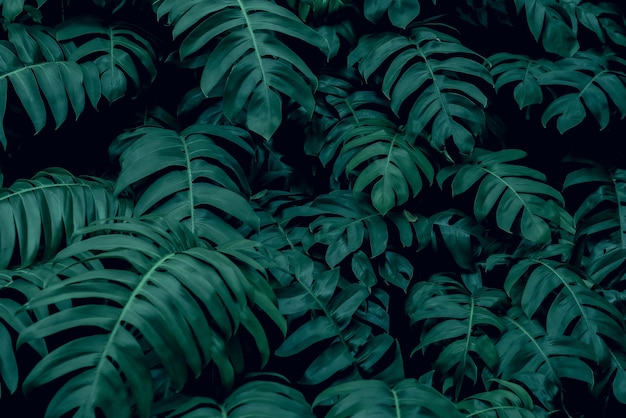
255 45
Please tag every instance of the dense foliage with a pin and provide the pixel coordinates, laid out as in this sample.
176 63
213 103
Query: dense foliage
300 208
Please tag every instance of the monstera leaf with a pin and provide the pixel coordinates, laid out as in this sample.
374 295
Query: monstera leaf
376 398
36 66
380 156
109 54
175 306
256 65
549 22
13 8
183 174
459 322
400 13
38 216
316 8
518 195
510 400
576 310
540 360
601 19
601 220
259 398
595 86
434 76
346 320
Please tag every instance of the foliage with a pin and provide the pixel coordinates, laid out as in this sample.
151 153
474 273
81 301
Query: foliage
312 208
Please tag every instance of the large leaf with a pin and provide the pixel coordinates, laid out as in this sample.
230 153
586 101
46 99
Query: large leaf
549 22
556 291
518 196
38 216
348 326
595 86
375 398
258 398
400 12
13 8
190 176
510 400
381 157
539 360
458 322
175 307
601 19
257 66
118 56
42 76
433 75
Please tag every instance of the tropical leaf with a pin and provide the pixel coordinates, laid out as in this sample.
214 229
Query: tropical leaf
116 59
190 176
510 400
36 66
375 398
259 398
434 76
540 360
597 18
519 195
176 306
349 322
549 22
38 216
400 13
601 220
379 155
459 323
318 9
595 86
525 72
576 311
255 63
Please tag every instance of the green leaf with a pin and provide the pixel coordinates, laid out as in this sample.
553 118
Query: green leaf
362 398
435 76
38 216
457 323
180 174
400 13
120 54
257 66
519 196
510 400
178 304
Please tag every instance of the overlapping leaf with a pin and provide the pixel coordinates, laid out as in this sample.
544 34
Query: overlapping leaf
433 75
259 398
576 311
459 323
375 398
597 18
519 195
400 13
240 42
598 89
510 400
601 220
189 176
381 157
42 76
540 360
116 59
549 22
177 306
347 324
13 8
316 8
38 216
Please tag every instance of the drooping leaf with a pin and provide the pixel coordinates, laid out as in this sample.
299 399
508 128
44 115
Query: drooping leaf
188 176
400 13
177 303
433 75
518 196
375 398
458 323
510 400
257 66
39 216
